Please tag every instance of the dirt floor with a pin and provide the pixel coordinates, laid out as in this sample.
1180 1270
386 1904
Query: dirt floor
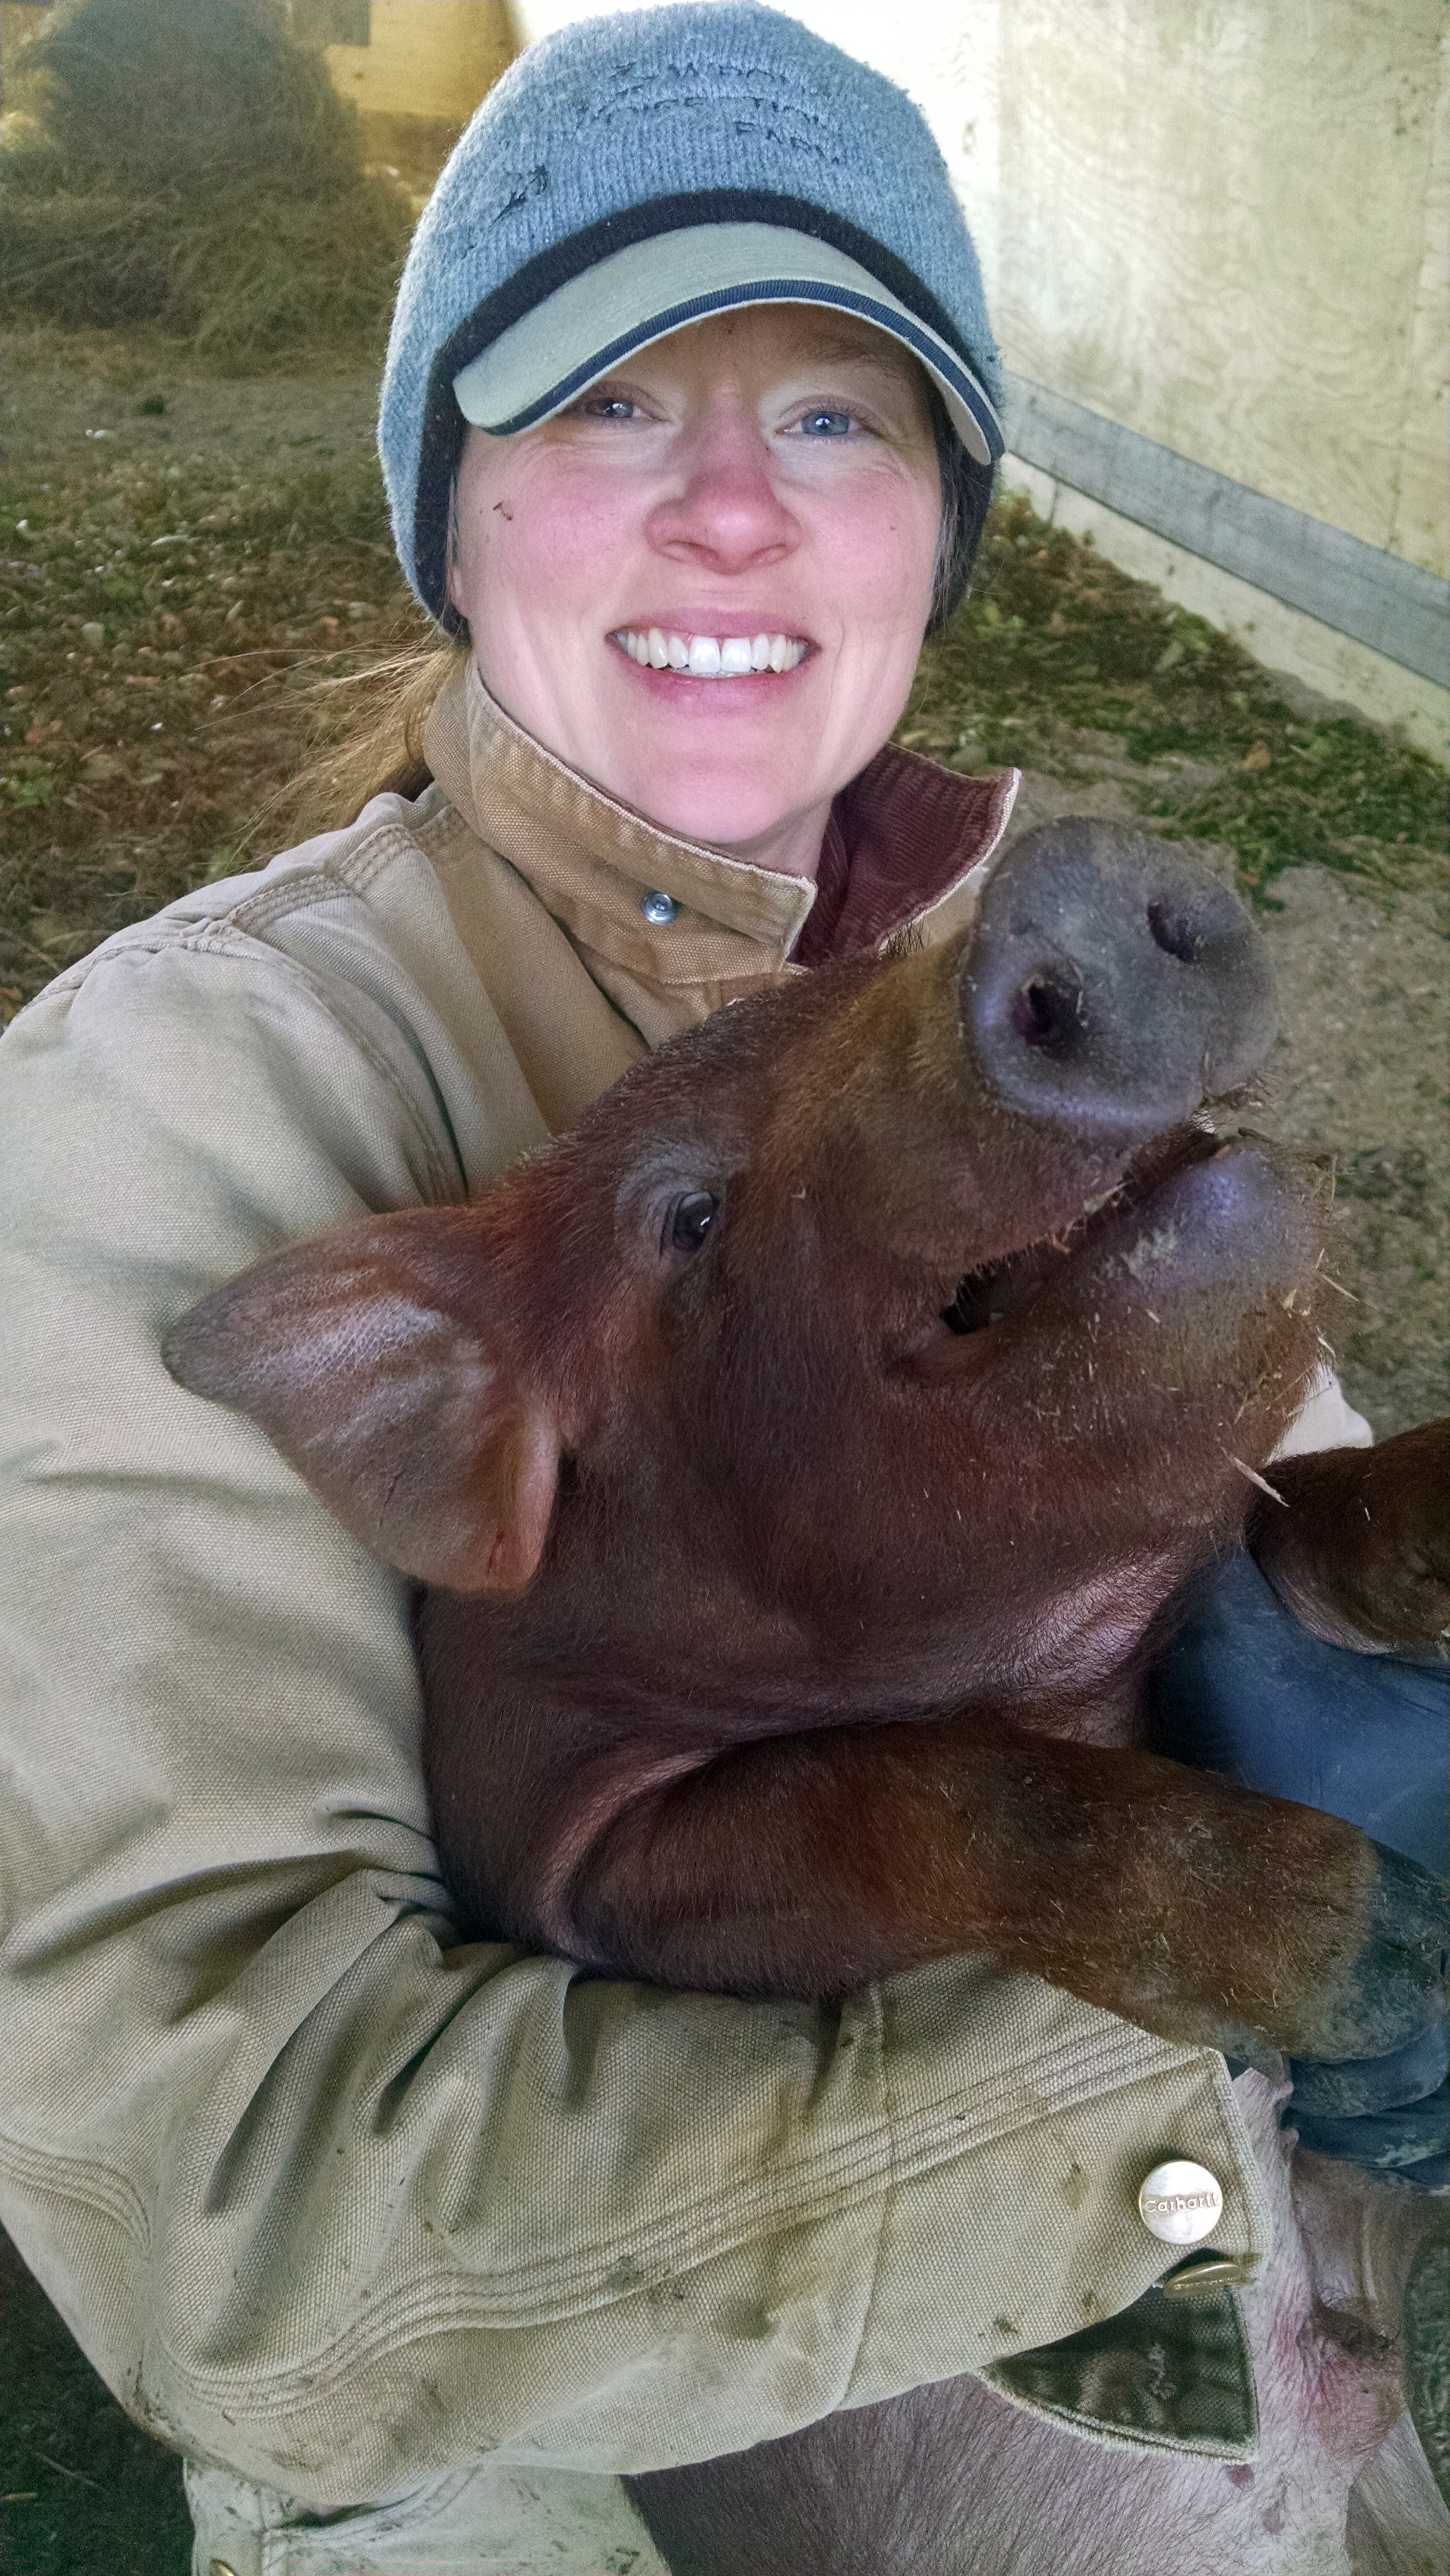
86 2492
186 558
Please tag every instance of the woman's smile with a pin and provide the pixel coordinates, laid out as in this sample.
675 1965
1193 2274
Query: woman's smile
698 656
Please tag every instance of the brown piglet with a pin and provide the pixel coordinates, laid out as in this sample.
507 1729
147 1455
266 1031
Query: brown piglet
804 1456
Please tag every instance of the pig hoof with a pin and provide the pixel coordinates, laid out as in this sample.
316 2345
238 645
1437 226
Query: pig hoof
1414 2133
1392 1989
1362 2087
1427 2357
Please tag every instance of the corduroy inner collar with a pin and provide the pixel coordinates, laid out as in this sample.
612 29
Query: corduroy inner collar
901 839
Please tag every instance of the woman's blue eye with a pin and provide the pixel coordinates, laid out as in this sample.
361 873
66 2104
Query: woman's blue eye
607 407
827 424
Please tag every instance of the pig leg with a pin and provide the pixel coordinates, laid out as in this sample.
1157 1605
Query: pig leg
1358 1547
814 1864
1398 2524
952 2480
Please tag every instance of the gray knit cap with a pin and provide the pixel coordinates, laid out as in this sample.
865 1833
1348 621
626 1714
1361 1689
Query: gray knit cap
821 179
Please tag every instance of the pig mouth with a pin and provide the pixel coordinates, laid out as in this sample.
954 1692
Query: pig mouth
1008 1286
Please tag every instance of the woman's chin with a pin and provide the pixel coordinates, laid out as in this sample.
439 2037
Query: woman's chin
742 821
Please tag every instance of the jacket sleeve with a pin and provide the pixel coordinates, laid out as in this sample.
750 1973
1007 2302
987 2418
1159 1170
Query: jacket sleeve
326 2197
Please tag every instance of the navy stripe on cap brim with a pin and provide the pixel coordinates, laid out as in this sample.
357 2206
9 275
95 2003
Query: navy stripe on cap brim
972 415
605 314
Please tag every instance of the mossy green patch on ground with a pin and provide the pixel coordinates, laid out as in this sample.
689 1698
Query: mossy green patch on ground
1057 652
164 618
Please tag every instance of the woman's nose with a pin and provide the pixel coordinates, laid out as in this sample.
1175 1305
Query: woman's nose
722 509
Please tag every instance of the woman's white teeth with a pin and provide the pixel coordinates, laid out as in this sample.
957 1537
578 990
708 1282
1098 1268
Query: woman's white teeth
711 657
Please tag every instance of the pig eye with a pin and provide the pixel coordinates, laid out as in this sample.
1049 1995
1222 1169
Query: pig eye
689 1221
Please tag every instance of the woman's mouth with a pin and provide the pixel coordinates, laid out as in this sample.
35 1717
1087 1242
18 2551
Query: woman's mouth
710 657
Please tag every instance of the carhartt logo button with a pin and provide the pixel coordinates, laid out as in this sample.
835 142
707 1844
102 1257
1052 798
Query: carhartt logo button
658 908
1181 2202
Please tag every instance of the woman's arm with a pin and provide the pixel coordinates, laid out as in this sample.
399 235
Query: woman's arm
324 2196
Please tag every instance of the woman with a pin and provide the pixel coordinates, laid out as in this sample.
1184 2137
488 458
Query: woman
688 427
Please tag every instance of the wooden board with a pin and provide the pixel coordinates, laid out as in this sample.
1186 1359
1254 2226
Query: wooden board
1221 223
1392 606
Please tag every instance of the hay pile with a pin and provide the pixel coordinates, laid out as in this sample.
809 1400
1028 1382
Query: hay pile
183 164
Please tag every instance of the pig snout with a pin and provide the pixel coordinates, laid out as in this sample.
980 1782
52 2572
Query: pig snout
1112 984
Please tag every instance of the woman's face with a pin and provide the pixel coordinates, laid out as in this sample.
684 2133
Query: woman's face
768 474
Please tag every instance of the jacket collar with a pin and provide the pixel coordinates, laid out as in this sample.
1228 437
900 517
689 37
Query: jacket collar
903 838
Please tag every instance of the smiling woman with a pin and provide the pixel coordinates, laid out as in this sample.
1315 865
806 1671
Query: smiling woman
417 2244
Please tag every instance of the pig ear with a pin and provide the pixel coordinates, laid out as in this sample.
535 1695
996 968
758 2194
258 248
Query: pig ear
367 1359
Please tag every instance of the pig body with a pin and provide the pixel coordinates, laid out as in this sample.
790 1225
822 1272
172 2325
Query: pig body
804 1457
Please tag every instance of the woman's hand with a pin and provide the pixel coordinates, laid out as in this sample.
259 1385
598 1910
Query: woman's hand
1252 1691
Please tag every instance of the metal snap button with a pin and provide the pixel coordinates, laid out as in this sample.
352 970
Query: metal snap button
1180 2201
658 908
1210 2270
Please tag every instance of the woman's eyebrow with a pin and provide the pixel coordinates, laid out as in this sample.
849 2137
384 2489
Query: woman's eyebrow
833 350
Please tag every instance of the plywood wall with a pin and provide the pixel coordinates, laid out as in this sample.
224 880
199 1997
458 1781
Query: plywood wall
1223 223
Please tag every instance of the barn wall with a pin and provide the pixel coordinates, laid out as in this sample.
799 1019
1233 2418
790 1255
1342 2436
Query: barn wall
420 58
427 58
1222 223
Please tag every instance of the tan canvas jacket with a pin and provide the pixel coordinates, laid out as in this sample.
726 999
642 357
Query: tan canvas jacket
327 2198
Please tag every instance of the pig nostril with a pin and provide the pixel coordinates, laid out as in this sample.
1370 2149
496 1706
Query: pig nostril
1046 1013
1174 931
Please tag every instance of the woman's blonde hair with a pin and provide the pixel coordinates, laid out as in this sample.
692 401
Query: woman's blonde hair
377 749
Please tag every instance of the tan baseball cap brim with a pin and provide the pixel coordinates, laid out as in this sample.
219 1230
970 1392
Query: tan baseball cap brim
633 296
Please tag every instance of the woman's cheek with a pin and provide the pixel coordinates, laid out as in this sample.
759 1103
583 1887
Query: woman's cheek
884 557
536 543
570 539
